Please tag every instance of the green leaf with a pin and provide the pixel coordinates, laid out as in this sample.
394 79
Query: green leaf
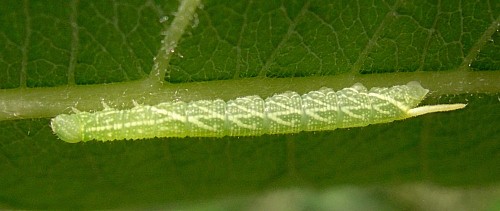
240 48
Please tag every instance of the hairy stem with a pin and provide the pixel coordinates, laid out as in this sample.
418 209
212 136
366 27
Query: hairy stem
49 102
173 34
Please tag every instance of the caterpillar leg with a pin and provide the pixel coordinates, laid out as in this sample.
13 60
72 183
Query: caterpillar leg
135 103
76 111
106 106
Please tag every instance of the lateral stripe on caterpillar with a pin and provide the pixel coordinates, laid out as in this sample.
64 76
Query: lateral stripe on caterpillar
288 112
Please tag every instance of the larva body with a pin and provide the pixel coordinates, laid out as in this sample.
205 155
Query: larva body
288 112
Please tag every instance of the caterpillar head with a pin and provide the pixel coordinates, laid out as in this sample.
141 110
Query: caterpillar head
67 127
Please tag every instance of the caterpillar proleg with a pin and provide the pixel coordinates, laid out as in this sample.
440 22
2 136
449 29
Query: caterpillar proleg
289 112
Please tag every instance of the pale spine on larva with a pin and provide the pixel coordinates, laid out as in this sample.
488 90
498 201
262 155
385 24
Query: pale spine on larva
288 112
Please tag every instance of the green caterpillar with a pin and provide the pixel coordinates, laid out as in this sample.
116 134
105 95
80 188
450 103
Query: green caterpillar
288 112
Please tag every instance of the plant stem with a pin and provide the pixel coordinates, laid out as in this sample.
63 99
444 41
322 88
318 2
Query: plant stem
22 103
173 34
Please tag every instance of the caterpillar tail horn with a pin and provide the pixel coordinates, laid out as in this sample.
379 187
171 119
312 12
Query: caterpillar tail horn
434 108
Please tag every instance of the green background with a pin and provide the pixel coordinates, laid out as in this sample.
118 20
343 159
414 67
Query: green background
456 152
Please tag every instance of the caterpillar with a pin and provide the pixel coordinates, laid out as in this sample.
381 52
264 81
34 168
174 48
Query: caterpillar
289 112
